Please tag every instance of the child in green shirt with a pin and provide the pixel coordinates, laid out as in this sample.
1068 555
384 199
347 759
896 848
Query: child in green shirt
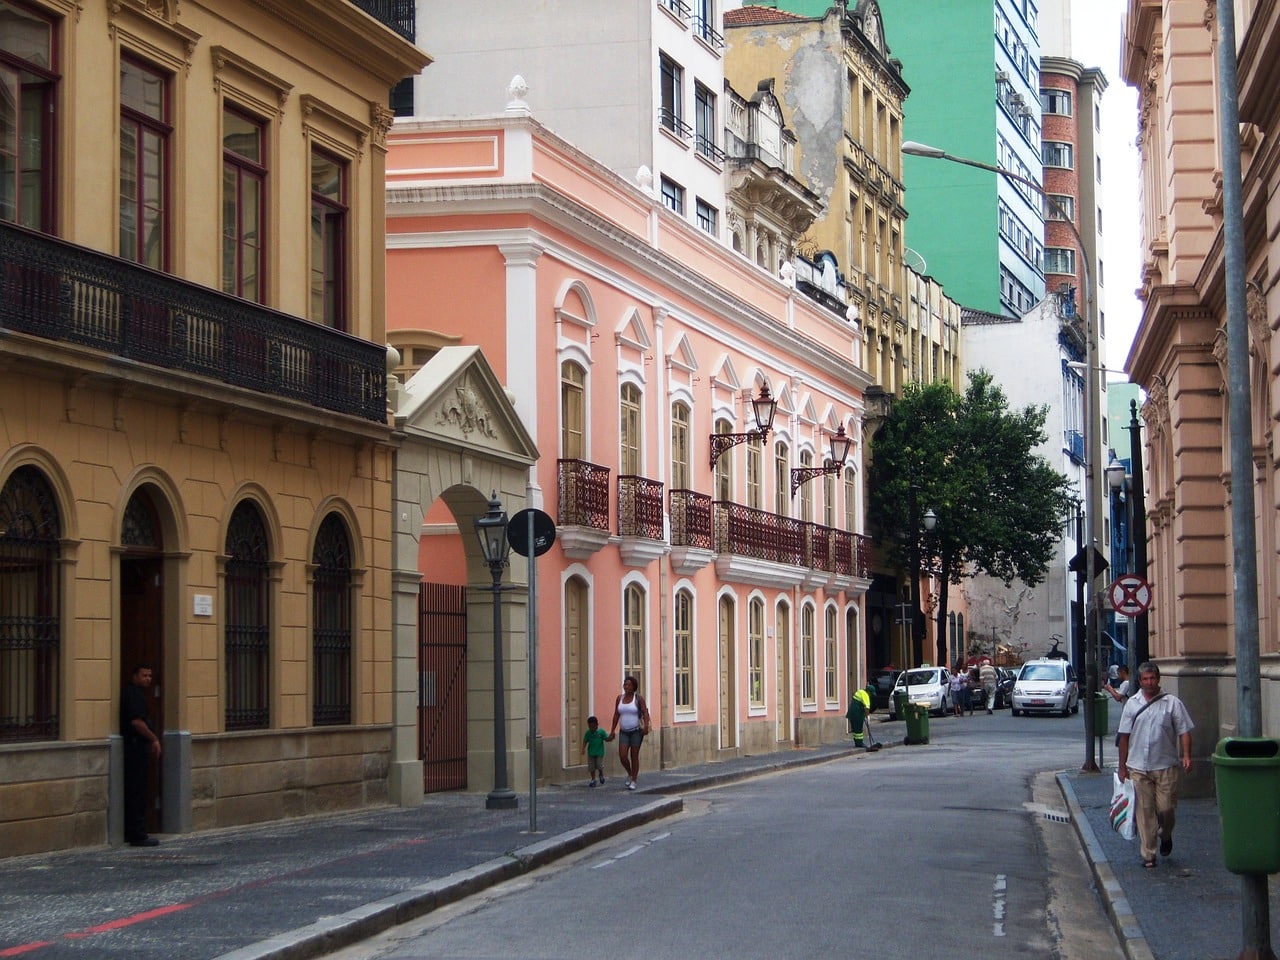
593 745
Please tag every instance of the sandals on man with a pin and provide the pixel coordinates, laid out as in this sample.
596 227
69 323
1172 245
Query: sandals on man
1149 864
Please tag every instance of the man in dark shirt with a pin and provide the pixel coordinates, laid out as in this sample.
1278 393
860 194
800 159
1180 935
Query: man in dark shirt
140 745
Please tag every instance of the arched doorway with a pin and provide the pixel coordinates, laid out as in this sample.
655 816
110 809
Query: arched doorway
577 666
728 673
142 619
782 645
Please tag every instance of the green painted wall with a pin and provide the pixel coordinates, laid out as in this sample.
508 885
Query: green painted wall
948 60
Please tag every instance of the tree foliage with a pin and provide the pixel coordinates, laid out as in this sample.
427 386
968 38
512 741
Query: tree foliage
1000 507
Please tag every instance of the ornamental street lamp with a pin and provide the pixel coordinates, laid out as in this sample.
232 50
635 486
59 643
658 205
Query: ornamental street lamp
763 408
491 530
1093 456
838 453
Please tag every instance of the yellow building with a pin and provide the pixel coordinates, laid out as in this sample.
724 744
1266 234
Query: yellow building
195 456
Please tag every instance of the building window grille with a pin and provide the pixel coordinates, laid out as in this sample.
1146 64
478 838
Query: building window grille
247 630
30 604
331 624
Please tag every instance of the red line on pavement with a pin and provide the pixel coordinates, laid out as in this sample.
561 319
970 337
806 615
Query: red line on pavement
25 948
214 895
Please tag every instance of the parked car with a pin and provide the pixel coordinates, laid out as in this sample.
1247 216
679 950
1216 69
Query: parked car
930 685
1005 679
883 681
1046 686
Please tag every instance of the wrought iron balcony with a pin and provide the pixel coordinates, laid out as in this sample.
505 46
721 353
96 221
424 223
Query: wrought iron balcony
60 291
1074 444
640 520
399 15
639 507
691 520
707 33
677 7
583 524
755 533
674 124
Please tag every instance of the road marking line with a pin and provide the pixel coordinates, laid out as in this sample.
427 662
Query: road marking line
998 905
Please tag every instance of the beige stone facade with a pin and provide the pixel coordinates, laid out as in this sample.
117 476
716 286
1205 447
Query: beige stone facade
165 387
1179 354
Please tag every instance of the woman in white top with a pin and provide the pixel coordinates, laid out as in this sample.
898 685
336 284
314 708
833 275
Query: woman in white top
631 721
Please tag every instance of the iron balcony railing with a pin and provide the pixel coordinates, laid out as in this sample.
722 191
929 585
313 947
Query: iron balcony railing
1074 442
399 15
818 548
707 33
708 148
60 291
674 123
584 494
639 507
678 7
754 533
691 520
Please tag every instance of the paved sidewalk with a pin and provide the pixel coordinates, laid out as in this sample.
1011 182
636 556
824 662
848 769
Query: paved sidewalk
302 888
1188 907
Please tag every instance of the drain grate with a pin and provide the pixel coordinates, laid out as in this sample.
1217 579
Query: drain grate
1056 817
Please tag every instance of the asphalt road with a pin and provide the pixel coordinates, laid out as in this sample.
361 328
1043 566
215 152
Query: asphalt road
957 851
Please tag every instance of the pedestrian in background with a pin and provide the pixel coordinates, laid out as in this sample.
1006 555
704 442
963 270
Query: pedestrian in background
141 745
1121 693
631 720
988 677
959 691
593 741
1155 739
859 710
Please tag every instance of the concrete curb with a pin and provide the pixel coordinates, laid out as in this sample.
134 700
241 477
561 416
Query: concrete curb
333 933
1132 940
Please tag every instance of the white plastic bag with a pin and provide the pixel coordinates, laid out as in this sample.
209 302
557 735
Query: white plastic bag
1122 807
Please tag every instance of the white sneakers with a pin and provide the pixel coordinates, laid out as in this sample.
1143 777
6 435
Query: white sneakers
631 784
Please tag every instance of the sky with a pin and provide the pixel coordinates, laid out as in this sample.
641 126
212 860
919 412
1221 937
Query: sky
1095 42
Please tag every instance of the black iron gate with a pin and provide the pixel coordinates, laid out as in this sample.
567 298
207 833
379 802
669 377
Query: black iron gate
442 686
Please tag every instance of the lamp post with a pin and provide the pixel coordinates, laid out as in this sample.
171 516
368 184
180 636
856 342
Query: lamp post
763 408
838 453
491 530
1093 455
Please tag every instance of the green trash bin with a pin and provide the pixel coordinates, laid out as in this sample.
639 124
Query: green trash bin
899 704
1247 771
917 723
1101 714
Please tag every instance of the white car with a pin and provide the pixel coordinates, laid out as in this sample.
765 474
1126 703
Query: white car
931 685
1046 686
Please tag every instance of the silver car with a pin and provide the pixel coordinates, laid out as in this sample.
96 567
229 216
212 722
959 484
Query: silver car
931 685
1046 686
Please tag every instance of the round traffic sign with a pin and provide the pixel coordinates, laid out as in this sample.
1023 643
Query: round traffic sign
544 532
1130 594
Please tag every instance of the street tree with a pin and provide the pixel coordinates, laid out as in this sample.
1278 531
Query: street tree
999 506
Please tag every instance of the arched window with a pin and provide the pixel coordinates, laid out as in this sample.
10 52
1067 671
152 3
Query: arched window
830 653
633 634
629 431
331 624
246 623
806 489
30 604
679 446
683 652
724 466
808 682
781 479
755 652
573 411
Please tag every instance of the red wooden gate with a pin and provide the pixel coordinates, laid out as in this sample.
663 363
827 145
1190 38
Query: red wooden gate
442 686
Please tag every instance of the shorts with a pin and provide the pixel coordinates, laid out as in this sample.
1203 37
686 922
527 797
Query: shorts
595 764
631 738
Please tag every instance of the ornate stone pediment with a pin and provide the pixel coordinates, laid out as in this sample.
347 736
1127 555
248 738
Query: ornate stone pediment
456 401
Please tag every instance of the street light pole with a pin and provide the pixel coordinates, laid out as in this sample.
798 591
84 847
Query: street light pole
491 530
1093 454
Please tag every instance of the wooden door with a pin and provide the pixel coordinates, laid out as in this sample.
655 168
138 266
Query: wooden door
577 680
782 644
728 697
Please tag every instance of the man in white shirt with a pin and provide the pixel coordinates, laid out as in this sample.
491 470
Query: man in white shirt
1155 739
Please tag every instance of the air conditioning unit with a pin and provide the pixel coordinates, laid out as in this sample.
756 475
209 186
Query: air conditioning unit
1017 100
1002 76
1025 111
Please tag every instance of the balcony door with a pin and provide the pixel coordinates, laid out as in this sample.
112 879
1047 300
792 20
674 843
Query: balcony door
782 644
728 673
577 661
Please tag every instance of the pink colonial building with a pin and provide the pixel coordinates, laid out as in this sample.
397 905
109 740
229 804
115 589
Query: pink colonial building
627 338
1179 355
